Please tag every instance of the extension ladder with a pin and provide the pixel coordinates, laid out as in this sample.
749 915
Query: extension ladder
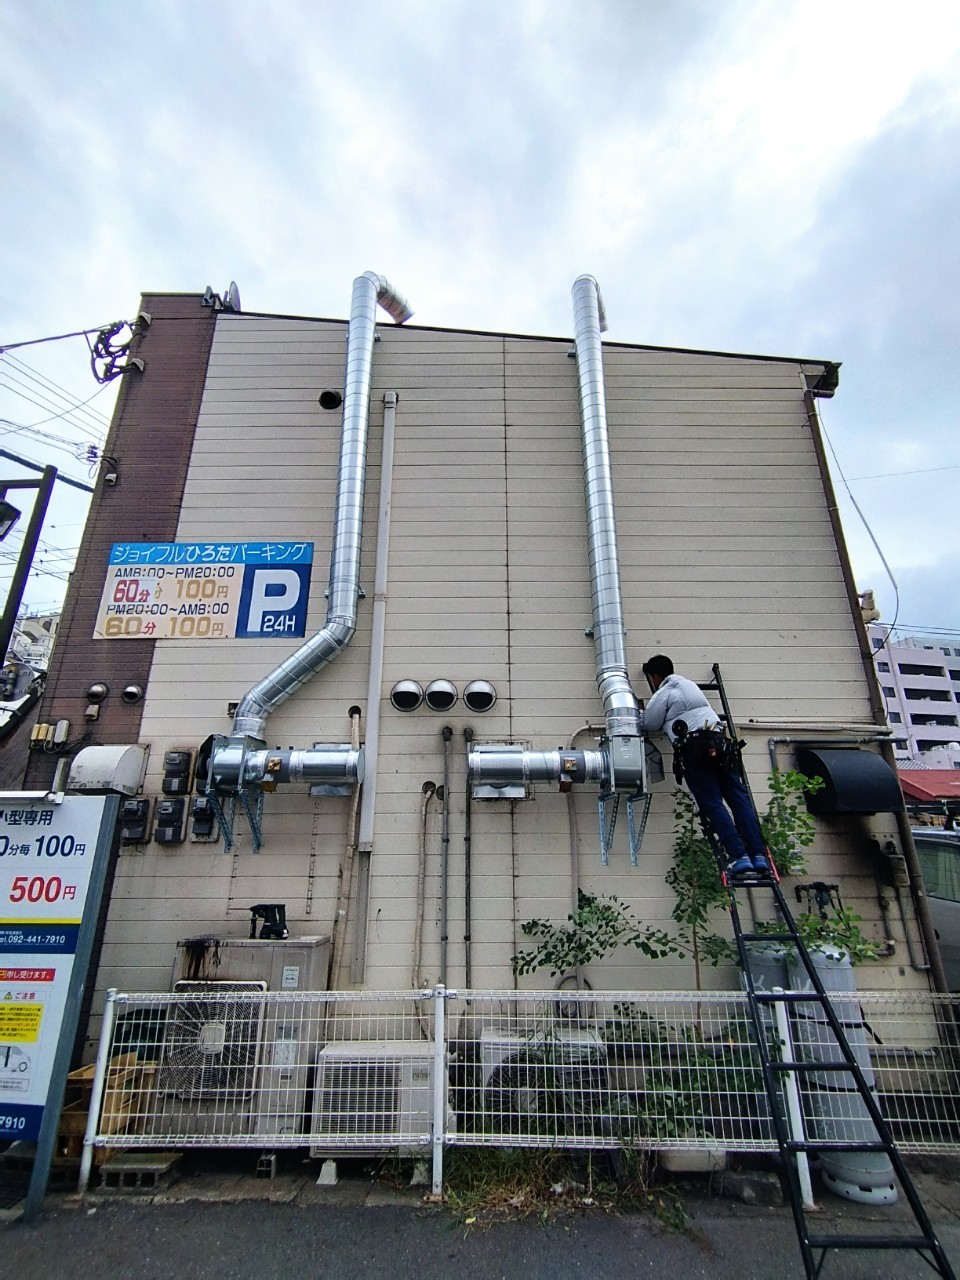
843 1068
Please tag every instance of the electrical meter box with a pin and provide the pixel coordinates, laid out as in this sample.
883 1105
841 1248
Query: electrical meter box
168 823
134 821
290 964
177 773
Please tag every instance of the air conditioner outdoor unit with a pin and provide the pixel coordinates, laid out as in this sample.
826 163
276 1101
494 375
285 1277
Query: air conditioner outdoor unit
209 1059
290 964
373 1097
556 1075
274 1042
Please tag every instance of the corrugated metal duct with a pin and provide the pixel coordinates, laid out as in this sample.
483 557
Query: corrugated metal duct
609 634
369 290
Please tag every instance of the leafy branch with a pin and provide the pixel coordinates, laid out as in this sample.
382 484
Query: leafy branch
597 927
601 925
787 825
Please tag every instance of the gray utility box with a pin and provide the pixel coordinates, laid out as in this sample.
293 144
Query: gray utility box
243 1064
293 964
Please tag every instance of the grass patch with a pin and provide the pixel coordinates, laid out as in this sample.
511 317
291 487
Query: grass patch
482 1185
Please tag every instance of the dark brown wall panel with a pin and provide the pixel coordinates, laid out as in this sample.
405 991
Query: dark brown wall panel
151 438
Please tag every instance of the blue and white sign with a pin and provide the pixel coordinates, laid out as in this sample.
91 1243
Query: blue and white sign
47 854
205 591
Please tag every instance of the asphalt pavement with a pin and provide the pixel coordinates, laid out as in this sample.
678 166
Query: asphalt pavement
220 1225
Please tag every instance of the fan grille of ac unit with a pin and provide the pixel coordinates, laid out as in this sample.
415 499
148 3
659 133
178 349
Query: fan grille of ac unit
358 1099
211 1044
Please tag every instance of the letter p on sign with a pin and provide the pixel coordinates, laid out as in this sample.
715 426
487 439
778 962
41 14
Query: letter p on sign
273 601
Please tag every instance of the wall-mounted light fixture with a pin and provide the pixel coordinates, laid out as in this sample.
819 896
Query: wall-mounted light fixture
9 515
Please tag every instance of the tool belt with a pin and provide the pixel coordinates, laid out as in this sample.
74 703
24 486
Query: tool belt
702 747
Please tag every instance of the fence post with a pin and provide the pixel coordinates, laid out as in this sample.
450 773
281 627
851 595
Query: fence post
793 1099
96 1097
440 995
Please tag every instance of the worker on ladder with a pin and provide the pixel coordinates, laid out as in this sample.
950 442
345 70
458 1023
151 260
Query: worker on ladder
709 762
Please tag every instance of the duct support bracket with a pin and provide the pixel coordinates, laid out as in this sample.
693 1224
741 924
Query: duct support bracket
619 766
243 768
608 806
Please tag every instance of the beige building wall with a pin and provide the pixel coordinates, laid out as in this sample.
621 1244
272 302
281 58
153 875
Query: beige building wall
727 555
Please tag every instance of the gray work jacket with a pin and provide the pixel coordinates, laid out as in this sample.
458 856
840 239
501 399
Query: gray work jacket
678 699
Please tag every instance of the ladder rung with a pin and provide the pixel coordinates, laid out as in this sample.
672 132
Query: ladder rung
791 997
818 1144
812 1066
871 1242
770 937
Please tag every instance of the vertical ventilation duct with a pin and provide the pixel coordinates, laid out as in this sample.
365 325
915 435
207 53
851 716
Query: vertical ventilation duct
619 701
341 621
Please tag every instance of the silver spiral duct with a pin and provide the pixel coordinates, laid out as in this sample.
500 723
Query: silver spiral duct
344 584
619 701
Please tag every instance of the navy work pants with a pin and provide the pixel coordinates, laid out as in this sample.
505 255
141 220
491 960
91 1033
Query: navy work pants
715 786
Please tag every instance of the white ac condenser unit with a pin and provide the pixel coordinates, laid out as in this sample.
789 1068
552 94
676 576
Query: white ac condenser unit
233 1064
373 1097
558 1073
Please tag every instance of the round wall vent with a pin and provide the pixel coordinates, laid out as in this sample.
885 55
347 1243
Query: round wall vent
441 695
406 695
479 695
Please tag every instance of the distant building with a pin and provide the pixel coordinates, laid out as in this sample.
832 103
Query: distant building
33 637
920 681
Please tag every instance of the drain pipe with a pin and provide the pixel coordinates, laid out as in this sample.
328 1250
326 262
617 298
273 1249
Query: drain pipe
346 867
467 872
445 853
416 977
368 801
232 768
619 765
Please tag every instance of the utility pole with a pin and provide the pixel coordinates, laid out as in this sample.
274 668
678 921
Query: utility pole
44 487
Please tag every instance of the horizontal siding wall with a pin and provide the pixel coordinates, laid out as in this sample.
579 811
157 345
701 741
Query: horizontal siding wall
727 556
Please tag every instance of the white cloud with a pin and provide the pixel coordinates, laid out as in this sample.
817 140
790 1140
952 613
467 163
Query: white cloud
775 178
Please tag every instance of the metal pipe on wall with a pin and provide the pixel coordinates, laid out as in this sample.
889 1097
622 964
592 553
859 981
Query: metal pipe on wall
619 765
609 633
427 792
918 893
368 799
445 852
346 867
468 869
343 589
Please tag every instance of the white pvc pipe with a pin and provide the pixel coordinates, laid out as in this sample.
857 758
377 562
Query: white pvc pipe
96 1096
440 995
793 1099
378 624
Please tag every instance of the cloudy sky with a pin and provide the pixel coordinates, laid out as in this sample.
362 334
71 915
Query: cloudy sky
779 177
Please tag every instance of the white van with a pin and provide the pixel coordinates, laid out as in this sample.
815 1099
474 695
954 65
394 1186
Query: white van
939 854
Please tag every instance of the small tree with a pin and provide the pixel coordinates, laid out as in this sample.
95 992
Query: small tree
602 924
787 825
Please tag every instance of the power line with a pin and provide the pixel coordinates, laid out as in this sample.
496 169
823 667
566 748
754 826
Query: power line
46 403
57 337
887 475
916 629
100 418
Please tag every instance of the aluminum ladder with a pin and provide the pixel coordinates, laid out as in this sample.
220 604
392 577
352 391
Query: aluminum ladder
814 1246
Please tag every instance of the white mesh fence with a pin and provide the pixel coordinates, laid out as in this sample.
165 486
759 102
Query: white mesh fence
231 1065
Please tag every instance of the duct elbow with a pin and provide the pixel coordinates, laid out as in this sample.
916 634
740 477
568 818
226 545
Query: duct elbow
394 303
584 284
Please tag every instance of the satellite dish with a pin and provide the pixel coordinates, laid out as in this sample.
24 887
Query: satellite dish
231 299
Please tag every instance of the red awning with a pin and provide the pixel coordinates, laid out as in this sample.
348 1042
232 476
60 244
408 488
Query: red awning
930 784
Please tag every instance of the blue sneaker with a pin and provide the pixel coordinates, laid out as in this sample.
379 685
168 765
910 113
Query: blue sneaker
761 865
739 868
